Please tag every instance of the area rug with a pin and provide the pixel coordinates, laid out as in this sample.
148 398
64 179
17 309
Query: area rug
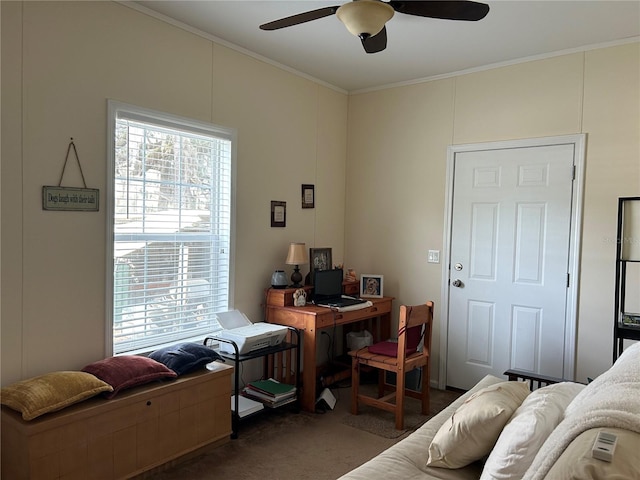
383 423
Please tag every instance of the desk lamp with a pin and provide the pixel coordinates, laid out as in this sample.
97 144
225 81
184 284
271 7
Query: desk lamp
297 256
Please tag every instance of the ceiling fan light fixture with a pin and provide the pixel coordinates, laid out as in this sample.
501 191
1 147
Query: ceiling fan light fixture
365 18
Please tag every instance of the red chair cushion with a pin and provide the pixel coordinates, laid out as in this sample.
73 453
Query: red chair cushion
390 349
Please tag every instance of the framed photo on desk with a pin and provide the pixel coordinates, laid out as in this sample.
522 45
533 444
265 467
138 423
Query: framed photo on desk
371 285
319 259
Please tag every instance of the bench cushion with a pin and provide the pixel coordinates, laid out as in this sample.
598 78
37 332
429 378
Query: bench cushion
128 371
51 392
185 357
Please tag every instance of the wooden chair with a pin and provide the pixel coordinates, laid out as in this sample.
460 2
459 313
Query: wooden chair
415 324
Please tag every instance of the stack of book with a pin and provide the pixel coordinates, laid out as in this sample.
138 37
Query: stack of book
270 392
246 406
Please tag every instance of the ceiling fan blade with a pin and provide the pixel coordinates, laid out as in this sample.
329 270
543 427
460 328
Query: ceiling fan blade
300 18
376 43
447 9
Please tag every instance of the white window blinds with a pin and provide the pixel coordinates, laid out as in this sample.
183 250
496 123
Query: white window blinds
171 193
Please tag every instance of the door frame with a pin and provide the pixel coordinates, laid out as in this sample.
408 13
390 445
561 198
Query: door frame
579 143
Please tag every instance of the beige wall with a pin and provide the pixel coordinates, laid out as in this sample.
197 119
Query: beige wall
61 61
397 155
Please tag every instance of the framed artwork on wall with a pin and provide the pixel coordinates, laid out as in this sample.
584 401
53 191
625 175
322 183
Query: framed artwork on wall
371 285
278 214
308 196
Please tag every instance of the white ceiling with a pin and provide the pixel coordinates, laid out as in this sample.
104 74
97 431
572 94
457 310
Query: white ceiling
418 48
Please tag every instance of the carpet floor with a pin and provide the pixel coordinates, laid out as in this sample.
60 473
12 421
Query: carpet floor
383 423
282 445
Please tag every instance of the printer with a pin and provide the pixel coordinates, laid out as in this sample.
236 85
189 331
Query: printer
246 335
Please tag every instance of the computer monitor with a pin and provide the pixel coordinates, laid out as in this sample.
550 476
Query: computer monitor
327 284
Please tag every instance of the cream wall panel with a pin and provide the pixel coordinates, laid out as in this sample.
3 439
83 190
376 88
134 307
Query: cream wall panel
75 56
396 167
330 173
283 122
533 99
596 93
11 188
612 122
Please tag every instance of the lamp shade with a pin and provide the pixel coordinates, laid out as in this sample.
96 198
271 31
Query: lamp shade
297 254
631 230
365 18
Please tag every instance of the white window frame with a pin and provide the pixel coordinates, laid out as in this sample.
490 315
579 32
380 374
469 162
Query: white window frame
170 121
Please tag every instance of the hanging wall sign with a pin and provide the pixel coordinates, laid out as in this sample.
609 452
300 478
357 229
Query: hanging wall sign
70 198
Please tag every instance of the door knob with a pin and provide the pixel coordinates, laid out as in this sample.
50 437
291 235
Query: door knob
457 283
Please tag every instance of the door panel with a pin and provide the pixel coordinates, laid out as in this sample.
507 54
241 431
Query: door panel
484 235
480 329
529 251
526 338
510 237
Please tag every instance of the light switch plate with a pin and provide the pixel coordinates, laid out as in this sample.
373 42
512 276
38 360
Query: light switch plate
434 256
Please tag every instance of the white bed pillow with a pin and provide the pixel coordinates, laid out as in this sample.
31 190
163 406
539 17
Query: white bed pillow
527 430
473 429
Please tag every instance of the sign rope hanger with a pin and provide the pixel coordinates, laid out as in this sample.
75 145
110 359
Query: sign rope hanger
75 152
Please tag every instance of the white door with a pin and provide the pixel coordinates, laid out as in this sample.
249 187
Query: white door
509 262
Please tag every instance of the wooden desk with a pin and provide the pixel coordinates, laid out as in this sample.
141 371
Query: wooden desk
310 319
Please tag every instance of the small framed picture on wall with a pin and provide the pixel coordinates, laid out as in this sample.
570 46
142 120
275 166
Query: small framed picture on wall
278 214
371 285
308 196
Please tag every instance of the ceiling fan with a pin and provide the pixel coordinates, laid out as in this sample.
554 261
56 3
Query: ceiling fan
366 18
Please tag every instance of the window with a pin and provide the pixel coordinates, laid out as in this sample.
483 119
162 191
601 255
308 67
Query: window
170 203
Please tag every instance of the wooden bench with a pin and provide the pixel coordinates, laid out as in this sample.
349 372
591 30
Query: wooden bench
139 430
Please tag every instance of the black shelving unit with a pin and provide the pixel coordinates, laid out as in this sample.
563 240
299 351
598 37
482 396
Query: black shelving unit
262 353
623 331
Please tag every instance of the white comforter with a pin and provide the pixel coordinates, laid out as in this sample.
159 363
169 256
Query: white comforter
612 400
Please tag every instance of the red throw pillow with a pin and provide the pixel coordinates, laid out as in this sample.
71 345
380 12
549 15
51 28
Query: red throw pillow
127 371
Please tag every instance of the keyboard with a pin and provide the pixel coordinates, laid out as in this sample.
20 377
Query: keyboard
340 302
357 306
